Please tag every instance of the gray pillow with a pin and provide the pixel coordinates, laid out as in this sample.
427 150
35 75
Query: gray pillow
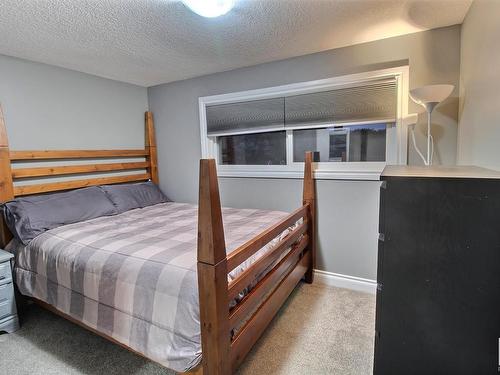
30 216
129 196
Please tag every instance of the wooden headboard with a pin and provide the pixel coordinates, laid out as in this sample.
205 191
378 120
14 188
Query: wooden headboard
9 175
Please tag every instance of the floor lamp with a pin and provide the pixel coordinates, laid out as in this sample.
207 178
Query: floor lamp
429 97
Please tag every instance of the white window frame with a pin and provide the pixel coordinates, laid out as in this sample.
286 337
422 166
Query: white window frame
396 136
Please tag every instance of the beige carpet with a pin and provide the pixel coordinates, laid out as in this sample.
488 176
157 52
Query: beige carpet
320 330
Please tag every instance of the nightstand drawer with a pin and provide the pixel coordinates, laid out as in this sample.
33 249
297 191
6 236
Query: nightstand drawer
7 302
5 273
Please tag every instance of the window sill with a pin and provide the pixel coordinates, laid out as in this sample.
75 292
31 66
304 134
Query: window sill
359 175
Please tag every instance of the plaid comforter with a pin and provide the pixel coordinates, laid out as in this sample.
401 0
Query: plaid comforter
133 276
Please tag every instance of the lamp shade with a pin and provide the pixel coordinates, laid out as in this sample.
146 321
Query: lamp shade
431 94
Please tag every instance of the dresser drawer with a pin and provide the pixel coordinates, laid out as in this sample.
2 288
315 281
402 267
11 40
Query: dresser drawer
5 273
7 301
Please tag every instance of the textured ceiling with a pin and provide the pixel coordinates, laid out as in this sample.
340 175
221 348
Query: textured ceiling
148 42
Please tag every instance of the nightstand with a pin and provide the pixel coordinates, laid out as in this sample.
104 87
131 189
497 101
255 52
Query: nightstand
9 321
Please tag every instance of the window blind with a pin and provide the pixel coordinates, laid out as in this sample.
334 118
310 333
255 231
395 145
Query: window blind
370 102
246 117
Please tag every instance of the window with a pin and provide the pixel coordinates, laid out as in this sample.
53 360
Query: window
253 149
354 123
342 143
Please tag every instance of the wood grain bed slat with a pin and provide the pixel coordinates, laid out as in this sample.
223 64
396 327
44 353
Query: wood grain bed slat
150 143
76 169
6 186
254 328
257 268
212 274
75 154
309 198
264 286
249 248
76 184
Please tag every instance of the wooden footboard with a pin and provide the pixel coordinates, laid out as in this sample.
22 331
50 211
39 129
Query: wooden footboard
228 335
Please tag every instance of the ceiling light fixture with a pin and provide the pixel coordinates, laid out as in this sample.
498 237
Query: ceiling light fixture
209 8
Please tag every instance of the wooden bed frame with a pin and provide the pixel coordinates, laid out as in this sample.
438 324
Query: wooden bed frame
222 351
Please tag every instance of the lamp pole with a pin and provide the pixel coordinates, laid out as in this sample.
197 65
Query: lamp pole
429 107
429 97
428 138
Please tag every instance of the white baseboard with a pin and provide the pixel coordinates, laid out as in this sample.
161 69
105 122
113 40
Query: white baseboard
345 281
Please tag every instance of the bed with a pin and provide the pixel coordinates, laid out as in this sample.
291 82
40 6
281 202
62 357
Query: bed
190 287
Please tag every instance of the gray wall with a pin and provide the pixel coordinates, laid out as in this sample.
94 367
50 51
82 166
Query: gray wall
348 210
49 107
479 131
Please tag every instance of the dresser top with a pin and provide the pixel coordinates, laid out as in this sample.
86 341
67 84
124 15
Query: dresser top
5 256
439 172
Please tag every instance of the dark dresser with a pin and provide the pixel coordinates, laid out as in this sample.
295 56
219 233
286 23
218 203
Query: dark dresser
438 292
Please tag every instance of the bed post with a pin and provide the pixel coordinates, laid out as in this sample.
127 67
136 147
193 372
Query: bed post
6 185
151 147
212 275
309 197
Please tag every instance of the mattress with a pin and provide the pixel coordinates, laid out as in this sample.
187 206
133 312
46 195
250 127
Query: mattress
133 276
